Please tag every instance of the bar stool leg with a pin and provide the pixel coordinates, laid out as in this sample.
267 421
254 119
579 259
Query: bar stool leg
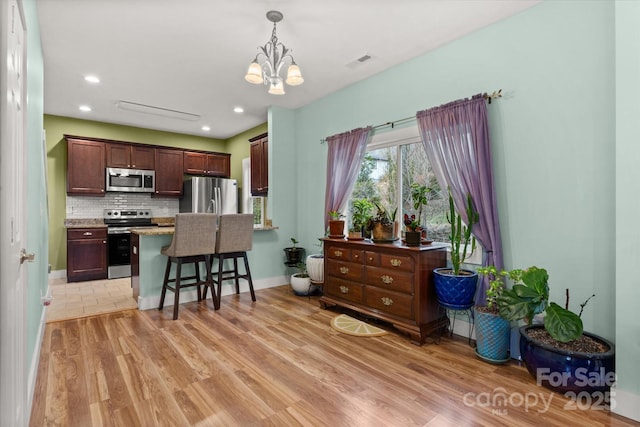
236 274
246 266
176 302
220 265
196 265
164 283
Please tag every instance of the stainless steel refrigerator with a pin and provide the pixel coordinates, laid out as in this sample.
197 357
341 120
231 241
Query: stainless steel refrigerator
209 195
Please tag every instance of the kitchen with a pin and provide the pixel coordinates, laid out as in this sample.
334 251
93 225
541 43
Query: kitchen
123 205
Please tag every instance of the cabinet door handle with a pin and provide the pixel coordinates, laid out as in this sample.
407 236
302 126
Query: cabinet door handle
386 301
344 289
337 253
344 270
371 258
386 279
87 233
104 241
396 262
356 256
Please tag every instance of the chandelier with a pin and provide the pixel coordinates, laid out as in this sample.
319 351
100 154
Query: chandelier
274 55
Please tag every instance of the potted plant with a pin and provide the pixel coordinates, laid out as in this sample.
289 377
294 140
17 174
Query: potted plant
456 287
383 227
293 253
420 198
558 353
493 332
360 215
413 233
336 225
301 282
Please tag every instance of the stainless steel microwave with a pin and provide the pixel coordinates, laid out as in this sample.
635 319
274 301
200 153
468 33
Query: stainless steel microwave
131 180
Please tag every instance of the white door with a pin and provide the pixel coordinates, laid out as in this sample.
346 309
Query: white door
13 394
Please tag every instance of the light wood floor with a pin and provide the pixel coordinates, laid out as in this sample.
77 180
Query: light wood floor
275 362
81 299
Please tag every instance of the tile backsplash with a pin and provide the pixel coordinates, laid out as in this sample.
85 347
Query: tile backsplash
93 207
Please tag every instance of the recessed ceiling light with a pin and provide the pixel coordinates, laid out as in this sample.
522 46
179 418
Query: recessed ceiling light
92 79
238 110
85 108
206 128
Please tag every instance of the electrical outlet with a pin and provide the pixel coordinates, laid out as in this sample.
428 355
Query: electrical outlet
69 210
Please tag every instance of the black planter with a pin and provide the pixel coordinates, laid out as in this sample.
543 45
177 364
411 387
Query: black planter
566 371
412 238
294 256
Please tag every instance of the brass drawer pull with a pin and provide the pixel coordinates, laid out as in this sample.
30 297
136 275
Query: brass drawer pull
386 301
371 258
356 256
87 233
344 270
344 289
386 279
396 262
337 253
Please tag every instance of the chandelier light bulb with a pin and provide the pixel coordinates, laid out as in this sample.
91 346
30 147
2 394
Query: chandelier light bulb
271 59
254 73
294 75
277 87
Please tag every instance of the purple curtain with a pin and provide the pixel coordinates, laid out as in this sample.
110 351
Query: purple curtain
456 139
346 151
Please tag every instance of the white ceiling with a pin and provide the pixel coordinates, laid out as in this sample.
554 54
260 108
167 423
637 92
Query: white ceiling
191 55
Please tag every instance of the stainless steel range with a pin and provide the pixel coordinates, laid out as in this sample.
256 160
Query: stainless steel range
119 223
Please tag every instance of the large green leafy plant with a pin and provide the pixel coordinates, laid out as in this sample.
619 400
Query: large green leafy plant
529 296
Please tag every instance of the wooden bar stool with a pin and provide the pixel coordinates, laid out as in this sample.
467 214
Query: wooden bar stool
193 242
235 238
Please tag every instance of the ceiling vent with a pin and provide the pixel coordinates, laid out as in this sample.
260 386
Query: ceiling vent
157 111
359 61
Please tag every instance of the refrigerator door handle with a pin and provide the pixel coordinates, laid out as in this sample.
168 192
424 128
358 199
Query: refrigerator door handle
212 206
218 197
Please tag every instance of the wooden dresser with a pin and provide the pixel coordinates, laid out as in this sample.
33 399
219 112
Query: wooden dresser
388 281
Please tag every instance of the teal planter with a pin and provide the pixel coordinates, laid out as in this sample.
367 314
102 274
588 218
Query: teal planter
493 335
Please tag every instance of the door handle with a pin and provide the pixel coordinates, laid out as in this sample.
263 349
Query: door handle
24 256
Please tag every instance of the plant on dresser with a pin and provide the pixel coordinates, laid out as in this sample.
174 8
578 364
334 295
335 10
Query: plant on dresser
390 282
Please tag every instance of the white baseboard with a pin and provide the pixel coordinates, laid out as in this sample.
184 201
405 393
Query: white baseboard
58 274
625 403
152 302
35 360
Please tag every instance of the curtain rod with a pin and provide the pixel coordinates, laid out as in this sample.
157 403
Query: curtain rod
488 97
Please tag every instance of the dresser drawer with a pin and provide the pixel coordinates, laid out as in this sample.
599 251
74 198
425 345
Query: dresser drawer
346 270
372 258
339 252
396 262
344 289
86 233
389 279
395 303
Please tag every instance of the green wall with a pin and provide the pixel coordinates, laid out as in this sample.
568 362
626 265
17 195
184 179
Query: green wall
36 199
627 233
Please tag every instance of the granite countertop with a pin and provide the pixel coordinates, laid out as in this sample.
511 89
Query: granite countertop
84 223
153 231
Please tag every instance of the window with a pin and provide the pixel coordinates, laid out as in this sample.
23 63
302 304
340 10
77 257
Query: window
395 160
258 206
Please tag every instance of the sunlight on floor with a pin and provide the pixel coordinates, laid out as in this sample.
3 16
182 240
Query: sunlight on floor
81 299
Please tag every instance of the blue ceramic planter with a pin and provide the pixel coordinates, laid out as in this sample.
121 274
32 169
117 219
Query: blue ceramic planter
493 335
565 371
455 292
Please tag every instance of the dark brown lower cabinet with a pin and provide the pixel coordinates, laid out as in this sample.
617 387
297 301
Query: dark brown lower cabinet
86 254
